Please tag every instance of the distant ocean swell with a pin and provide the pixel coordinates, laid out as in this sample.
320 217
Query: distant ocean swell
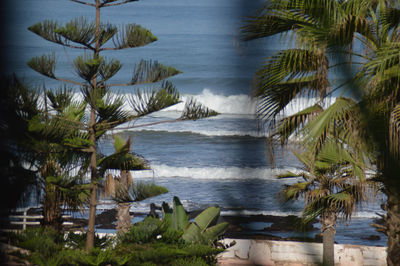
240 104
143 207
216 173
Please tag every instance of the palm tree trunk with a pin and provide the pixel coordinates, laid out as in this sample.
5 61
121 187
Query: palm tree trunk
52 216
124 217
328 223
393 229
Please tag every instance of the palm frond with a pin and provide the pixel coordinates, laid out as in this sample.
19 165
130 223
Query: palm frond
288 74
288 174
78 141
137 192
122 159
390 18
142 191
328 122
291 124
394 130
292 192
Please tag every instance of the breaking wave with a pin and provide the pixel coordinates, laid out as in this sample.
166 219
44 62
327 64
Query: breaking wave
217 173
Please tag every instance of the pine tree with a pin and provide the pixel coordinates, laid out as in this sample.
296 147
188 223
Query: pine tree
106 112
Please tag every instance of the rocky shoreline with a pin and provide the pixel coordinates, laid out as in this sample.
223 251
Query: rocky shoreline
266 227
240 226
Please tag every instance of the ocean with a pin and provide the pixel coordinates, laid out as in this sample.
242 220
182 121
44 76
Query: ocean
224 160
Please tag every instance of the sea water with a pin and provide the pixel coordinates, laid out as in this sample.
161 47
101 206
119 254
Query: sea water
224 160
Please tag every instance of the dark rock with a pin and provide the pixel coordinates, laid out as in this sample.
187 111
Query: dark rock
107 218
372 237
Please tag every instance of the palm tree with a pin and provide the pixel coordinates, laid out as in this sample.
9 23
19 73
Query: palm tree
379 79
336 29
333 184
60 170
18 104
122 188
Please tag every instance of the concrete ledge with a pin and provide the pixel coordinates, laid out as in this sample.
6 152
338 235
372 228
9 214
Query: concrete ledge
285 253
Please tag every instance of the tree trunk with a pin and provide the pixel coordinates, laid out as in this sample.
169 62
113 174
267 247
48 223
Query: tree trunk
393 229
52 215
124 217
92 216
328 223
93 158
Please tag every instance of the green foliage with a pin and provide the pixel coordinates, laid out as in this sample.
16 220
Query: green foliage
48 30
144 103
44 241
150 230
137 192
45 65
104 112
142 191
203 230
78 31
139 246
133 36
77 241
193 111
122 158
189 262
176 217
87 67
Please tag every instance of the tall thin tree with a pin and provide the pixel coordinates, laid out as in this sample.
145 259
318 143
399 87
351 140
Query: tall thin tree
106 111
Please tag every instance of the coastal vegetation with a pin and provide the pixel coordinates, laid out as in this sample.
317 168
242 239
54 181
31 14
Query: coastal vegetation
77 125
150 242
358 41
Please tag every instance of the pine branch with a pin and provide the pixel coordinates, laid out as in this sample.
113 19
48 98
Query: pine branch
107 3
149 102
51 31
78 31
87 67
149 72
108 69
194 110
107 32
45 65
132 36
84 3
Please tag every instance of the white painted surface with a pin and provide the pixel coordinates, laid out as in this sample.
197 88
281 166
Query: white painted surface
268 252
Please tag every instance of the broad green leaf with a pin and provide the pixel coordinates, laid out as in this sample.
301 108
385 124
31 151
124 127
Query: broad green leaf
207 217
180 219
213 232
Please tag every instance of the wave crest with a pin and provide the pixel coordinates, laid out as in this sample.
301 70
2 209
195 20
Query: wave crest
217 173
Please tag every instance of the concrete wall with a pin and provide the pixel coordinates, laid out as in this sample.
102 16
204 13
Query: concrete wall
268 252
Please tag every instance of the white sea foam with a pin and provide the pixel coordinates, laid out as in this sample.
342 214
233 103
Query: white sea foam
232 104
356 215
145 207
209 133
217 173
240 104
